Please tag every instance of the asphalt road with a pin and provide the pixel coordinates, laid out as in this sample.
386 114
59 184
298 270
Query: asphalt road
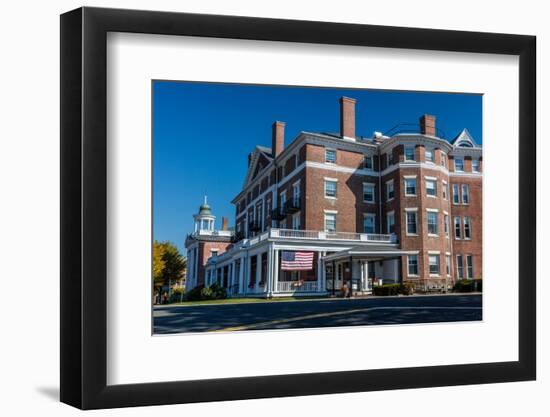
317 313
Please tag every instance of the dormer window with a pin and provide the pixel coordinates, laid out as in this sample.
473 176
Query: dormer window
475 165
459 164
367 162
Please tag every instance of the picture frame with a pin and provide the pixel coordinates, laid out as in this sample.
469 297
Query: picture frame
84 208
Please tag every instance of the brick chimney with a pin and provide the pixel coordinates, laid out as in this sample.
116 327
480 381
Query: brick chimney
427 125
224 223
277 138
347 117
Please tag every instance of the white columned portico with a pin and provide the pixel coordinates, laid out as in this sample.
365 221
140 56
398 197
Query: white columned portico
319 271
269 271
241 275
258 272
276 270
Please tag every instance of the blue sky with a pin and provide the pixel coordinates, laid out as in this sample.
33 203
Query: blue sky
203 132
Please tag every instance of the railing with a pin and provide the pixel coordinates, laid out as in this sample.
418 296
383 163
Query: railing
321 235
292 205
297 286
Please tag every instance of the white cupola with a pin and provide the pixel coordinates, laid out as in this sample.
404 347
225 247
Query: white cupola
204 219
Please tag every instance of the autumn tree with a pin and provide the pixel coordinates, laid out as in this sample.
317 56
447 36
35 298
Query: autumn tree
168 264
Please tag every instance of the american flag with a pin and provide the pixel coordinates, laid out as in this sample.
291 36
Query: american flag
296 261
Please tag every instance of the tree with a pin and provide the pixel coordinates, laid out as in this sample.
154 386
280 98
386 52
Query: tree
168 264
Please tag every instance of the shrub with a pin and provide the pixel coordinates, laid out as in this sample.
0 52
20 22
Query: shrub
386 289
407 288
177 295
194 294
464 285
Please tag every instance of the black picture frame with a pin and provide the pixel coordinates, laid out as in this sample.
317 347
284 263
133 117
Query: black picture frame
84 207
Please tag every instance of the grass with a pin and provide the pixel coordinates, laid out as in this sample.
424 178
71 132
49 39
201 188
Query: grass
245 300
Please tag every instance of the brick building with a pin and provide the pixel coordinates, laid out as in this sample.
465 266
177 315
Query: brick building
405 206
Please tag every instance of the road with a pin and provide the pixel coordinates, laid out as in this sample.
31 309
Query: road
317 313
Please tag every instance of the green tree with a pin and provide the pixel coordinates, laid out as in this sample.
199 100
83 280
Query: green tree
168 264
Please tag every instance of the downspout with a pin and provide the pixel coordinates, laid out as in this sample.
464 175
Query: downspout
379 192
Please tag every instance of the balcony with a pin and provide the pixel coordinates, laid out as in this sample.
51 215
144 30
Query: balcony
292 205
322 235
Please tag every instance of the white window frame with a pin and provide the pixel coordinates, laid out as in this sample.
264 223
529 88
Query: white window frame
331 180
443 159
456 169
389 158
369 216
437 256
446 225
296 221
407 211
444 190
282 198
477 162
365 158
410 178
469 267
390 214
409 265
372 186
459 227
456 194
434 181
432 153
296 195
327 151
465 187
388 184
329 214
432 212
409 147
459 267
448 264
466 221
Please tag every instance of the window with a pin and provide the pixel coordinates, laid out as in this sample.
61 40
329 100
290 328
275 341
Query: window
330 156
296 221
330 188
330 222
390 222
412 262
432 223
296 195
443 160
475 165
456 194
368 193
431 188
368 223
409 153
459 164
410 186
459 266
446 224
295 161
367 162
445 190
434 264
214 252
283 200
429 155
448 265
389 158
389 190
458 233
467 229
469 266
465 194
411 222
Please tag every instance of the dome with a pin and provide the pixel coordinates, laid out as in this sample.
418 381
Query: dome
205 210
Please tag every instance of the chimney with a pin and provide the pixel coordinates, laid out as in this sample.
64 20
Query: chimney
347 117
277 138
224 223
427 125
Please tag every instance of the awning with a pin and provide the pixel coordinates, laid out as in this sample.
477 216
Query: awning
372 252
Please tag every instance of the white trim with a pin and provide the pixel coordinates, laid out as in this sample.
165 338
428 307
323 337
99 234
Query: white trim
330 211
411 208
433 210
330 179
409 177
429 178
434 252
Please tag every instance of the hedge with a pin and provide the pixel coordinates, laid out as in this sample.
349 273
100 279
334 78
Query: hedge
386 289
